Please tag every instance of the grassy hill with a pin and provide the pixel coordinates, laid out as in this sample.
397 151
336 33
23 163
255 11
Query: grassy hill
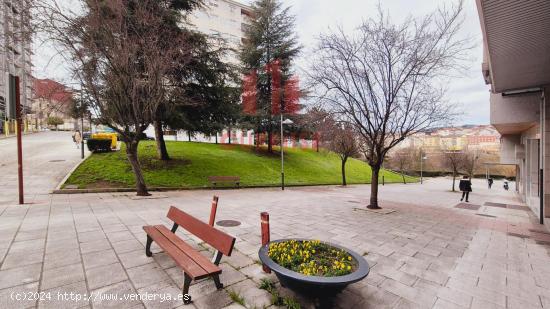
192 163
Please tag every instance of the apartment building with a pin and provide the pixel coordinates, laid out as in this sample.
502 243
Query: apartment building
516 39
223 19
15 52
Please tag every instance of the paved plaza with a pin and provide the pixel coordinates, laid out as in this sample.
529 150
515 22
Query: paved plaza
426 254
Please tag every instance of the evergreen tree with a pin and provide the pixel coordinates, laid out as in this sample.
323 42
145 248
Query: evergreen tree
203 98
270 38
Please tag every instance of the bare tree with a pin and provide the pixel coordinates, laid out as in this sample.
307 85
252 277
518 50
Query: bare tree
386 78
470 162
120 52
454 162
341 139
401 159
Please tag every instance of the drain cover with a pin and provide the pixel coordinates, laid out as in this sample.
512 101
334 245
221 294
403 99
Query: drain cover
57 160
228 223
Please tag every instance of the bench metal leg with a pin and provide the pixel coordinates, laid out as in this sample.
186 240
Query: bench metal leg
186 283
216 278
217 257
174 228
148 246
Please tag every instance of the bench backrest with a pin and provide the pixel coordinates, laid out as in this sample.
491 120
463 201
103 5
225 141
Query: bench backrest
224 178
214 237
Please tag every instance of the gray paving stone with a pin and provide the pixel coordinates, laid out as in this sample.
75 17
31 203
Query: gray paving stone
61 276
163 294
15 297
94 246
18 276
134 258
148 274
105 275
99 258
61 258
61 297
104 297
253 296
18 259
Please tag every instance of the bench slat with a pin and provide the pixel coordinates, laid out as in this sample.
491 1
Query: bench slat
196 256
190 267
214 237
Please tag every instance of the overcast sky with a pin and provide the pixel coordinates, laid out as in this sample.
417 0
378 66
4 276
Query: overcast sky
316 16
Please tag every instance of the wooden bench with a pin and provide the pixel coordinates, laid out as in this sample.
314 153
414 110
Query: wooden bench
195 266
214 180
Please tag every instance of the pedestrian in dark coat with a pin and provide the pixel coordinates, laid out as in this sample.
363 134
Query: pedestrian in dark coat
465 186
490 182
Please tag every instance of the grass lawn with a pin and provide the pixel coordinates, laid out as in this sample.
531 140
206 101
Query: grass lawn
192 163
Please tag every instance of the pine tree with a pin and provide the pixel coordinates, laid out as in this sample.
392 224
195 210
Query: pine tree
270 38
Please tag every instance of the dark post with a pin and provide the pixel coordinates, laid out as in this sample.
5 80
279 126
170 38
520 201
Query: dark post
265 235
383 180
19 119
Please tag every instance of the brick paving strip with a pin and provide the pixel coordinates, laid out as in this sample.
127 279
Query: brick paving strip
425 254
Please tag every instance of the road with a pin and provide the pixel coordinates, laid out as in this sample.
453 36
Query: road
47 158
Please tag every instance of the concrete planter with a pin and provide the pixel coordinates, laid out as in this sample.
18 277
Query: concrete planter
315 284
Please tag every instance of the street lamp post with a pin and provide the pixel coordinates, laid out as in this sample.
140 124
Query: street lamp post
288 121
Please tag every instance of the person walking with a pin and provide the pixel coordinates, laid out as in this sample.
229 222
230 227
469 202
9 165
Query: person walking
465 186
490 182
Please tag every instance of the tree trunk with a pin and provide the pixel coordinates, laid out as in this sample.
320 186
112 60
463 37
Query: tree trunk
229 134
344 183
216 138
188 135
403 175
374 188
132 154
162 152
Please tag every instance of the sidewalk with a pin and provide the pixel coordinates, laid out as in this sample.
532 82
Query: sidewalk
426 254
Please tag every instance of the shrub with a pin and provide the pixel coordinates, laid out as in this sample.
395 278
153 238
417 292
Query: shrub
99 145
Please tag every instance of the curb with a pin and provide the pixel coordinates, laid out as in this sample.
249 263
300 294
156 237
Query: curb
60 184
168 189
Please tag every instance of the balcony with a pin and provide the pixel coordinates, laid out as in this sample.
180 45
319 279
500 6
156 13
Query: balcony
513 114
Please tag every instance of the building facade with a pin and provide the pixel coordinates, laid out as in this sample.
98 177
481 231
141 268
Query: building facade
516 39
223 19
480 137
52 100
15 53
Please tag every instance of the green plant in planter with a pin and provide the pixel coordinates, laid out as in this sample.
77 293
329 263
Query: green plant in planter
312 258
